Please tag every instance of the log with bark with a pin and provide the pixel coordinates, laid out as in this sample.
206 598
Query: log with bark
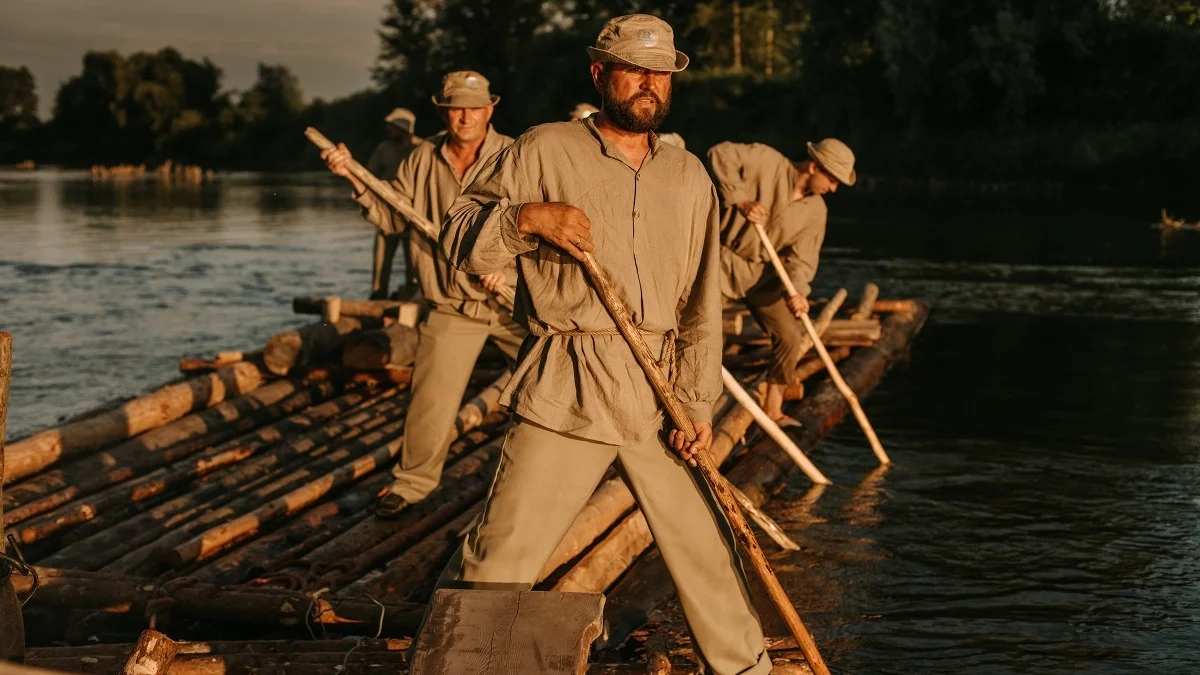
44 448
308 344
394 346
115 594
152 655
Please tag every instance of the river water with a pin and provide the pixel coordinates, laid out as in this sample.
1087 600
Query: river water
1042 514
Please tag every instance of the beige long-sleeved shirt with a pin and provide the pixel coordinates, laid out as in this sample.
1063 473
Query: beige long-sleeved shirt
758 172
427 180
655 231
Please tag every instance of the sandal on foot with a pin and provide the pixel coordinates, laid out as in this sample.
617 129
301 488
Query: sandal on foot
390 506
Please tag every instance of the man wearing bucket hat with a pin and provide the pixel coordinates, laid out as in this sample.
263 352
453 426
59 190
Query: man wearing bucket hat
385 159
757 184
463 315
649 213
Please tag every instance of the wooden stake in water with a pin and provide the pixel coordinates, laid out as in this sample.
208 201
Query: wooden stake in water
834 375
716 482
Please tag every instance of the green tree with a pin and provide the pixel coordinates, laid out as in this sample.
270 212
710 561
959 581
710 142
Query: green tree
18 93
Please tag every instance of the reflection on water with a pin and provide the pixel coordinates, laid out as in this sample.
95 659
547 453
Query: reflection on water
1041 514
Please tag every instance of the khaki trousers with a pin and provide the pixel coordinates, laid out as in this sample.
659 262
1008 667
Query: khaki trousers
384 254
448 344
769 308
543 480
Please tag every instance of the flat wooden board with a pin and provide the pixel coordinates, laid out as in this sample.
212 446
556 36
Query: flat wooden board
478 632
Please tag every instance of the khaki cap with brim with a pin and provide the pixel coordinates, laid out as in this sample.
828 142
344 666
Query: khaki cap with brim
403 118
835 158
639 40
465 89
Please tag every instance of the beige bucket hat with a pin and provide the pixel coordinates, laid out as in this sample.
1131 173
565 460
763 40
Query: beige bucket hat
465 89
403 118
639 40
672 139
836 158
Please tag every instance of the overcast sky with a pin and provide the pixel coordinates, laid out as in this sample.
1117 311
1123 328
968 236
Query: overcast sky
329 44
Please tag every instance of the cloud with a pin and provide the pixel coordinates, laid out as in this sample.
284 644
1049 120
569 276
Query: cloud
329 45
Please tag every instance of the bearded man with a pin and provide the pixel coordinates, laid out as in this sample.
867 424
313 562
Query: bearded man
648 212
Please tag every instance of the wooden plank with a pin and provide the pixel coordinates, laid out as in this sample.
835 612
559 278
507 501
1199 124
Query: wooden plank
492 632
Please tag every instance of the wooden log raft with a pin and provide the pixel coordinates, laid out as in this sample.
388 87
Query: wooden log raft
39 451
307 344
395 345
115 594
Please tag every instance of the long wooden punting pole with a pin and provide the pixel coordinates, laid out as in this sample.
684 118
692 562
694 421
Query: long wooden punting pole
859 413
645 358
773 430
5 377
505 295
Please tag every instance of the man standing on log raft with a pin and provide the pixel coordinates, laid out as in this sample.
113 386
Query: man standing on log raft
757 184
648 212
384 162
464 313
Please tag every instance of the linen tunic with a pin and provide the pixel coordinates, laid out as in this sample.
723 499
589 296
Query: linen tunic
655 231
427 180
796 228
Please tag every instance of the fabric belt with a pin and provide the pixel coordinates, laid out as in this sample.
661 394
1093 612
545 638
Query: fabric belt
666 357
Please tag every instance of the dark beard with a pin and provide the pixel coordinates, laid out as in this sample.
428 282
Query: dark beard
622 115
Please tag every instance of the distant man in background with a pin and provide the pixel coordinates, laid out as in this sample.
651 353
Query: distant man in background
757 184
583 110
464 313
400 142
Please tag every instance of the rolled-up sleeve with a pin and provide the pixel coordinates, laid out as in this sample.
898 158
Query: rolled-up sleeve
480 234
698 382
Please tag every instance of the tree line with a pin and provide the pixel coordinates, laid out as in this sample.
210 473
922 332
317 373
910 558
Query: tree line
1036 88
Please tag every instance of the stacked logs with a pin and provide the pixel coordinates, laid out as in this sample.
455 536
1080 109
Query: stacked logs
251 508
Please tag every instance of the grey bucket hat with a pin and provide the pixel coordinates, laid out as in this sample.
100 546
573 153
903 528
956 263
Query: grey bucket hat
639 40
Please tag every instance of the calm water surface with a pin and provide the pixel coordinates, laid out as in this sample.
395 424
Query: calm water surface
1043 511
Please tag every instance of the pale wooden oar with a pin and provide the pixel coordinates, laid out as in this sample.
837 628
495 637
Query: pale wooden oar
720 488
505 296
773 430
836 376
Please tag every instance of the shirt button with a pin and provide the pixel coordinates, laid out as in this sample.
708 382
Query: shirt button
637 214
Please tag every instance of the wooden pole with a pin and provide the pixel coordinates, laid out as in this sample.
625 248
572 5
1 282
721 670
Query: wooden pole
867 303
506 296
666 393
5 378
772 428
152 655
851 399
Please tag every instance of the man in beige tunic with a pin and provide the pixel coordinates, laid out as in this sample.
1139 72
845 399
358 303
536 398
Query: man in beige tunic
757 184
648 212
385 160
464 313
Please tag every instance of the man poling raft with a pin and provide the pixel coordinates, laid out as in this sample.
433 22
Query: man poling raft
384 162
757 184
579 396
464 314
